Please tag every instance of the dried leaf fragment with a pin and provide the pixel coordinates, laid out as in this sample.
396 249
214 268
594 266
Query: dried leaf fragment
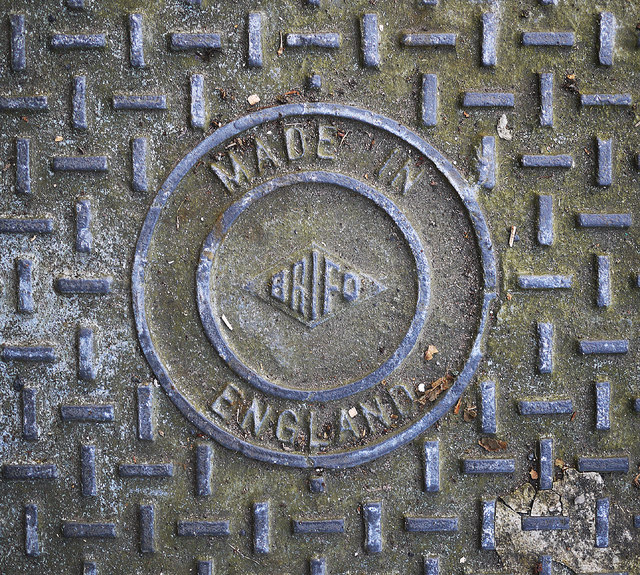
492 444
470 412
435 388
456 409
533 473
431 351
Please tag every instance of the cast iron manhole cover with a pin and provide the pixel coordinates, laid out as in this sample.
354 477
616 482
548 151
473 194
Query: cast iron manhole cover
319 287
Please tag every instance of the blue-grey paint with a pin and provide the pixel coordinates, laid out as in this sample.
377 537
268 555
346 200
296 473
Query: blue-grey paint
30 430
488 466
602 523
547 161
372 513
546 566
370 41
588 347
431 466
318 526
88 478
254 32
545 347
24 273
23 169
467 196
488 99
89 568
431 564
428 39
23 103
136 41
317 566
261 528
204 568
84 238
606 99
75 4
139 165
90 413
430 524
429 99
145 470
607 38
603 265
488 528
80 164
620 221
317 484
25 226
204 455
27 472
203 528
86 368
145 413
545 523
185 42
138 102
546 99
488 417
545 448
545 220
31 543
326 40
98 286
487 163
555 407
605 162
489 39
604 464
79 103
77 530
315 81
548 39
36 353
147 517
78 41
198 112
18 42
544 282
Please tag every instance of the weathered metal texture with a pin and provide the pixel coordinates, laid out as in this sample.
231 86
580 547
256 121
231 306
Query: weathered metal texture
318 287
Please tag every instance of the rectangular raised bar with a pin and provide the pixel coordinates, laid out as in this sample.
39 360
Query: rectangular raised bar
558 523
20 472
24 272
145 413
24 226
318 526
327 40
547 161
89 413
487 163
147 516
370 41
489 39
18 44
28 353
191 42
84 238
23 170
198 113
261 529
98 286
602 523
31 543
588 347
604 464
317 566
78 41
145 470
79 103
604 281
88 470
429 100
606 99
488 419
86 368
616 221
77 530
136 41
545 220
605 162
488 99
488 466
432 466
556 407
431 566
425 40
545 447
203 470
30 430
548 39
372 513
80 164
545 347
254 31
488 530
430 524
607 38
203 528
544 282
139 164
546 99
136 102
23 103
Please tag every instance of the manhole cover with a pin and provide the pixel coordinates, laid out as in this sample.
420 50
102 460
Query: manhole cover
319 287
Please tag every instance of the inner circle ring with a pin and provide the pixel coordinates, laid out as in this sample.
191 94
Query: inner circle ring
194 414
211 322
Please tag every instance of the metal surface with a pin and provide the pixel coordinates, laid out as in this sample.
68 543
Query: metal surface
319 287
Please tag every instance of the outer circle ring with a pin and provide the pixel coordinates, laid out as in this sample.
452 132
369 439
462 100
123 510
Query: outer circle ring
343 459
212 325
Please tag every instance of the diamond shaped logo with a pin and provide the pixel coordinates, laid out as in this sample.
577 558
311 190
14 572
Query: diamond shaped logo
314 286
